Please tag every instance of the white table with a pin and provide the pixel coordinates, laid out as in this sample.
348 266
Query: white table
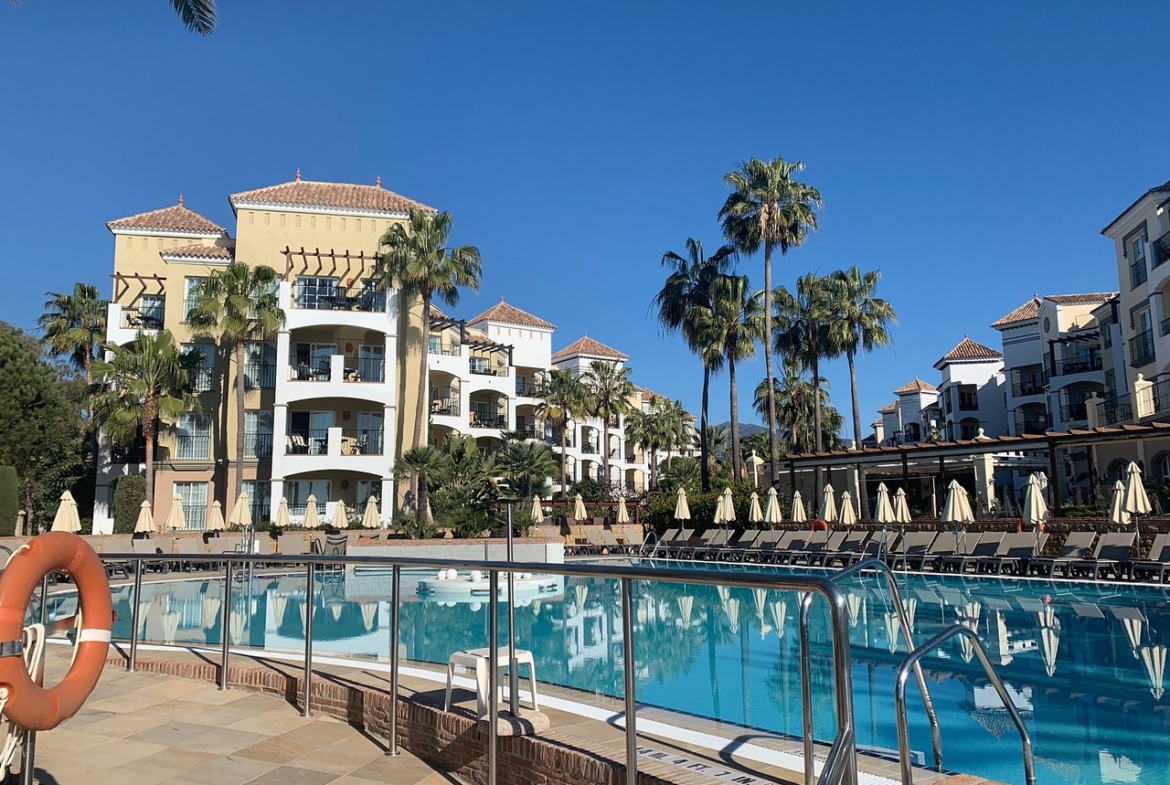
478 660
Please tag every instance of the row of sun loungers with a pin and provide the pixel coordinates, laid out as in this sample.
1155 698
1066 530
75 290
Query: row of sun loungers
292 544
1083 554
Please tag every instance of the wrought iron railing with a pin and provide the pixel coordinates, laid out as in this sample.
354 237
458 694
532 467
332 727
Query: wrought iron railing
1141 349
1114 411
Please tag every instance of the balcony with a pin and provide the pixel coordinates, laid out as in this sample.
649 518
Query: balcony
532 432
334 441
325 299
1141 349
1114 411
484 369
258 445
1034 386
1162 249
1164 326
494 421
361 441
589 449
1087 365
446 407
1037 424
968 403
525 388
1072 412
444 349
142 319
555 441
128 453
1160 397
257 376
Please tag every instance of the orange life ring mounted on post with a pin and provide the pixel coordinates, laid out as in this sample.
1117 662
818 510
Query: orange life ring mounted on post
819 526
30 706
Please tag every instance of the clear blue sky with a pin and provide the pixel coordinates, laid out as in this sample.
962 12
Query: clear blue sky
973 152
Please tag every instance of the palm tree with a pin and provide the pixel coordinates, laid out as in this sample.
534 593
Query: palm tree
770 209
418 261
804 330
686 290
428 465
641 429
143 385
75 325
718 441
610 390
198 15
795 410
526 465
674 426
731 326
240 303
564 398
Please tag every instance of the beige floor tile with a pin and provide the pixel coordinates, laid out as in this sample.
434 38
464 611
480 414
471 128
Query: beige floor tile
289 775
174 688
171 733
222 741
231 770
337 760
127 703
169 763
274 750
122 725
218 716
271 723
124 751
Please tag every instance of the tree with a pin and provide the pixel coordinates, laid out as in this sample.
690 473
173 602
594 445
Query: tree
563 398
718 441
804 330
74 325
240 304
610 390
768 208
795 410
429 466
417 260
687 290
731 326
142 387
526 465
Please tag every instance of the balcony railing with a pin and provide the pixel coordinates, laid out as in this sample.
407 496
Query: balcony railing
195 447
1160 394
555 441
1137 274
1029 387
307 371
201 379
445 349
1113 411
258 445
483 369
1141 349
1066 367
446 406
368 301
361 441
127 453
589 449
307 441
1037 424
968 403
525 388
259 376
499 421
1162 249
1165 326
365 369
135 319
1071 412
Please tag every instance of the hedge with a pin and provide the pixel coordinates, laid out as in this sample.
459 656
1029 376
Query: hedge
129 493
9 500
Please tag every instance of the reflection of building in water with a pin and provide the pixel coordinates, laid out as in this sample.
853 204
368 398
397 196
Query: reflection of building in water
985 707
1118 768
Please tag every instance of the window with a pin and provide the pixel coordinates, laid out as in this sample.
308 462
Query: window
151 311
370 365
366 489
194 496
258 434
193 437
298 492
313 361
913 432
260 499
201 377
260 365
191 298
368 439
315 293
1110 384
1137 259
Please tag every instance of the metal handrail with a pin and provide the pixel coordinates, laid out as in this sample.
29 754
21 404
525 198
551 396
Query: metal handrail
843 753
912 661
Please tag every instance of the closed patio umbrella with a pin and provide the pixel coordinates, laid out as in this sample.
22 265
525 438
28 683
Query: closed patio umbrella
728 507
798 513
828 505
242 512
340 518
1117 513
370 519
901 506
145 523
885 510
215 521
1136 500
312 516
847 516
957 509
537 510
1035 511
1049 638
731 608
1154 658
623 514
755 514
579 509
681 511
66 519
282 521
719 510
177 520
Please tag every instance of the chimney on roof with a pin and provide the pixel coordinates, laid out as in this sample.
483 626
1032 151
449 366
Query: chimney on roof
298 174
180 200
501 298
378 181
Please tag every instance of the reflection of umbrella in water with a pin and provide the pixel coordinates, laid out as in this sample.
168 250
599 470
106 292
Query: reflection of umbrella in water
731 608
686 605
170 626
581 593
1154 658
369 613
279 603
910 605
1049 638
723 592
336 611
855 602
893 629
211 606
755 514
969 618
1001 636
536 607
779 610
236 620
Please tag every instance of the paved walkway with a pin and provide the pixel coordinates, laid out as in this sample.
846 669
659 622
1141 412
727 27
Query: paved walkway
146 729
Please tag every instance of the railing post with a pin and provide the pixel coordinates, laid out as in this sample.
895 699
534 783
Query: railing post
224 623
135 604
310 569
493 673
29 752
393 746
806 713
630 685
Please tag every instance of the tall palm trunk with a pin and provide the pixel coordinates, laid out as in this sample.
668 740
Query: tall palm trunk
818 441
241 416
421 512
149 412
736 458
564 455
861 491
605 449
420 416
773 442
704 467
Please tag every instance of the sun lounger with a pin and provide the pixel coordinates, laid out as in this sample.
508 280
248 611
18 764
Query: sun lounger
593 545
845 549
1015 551
671 548
192 546
984 546
291 544
911 550
1112 555
715 545
945 545
705 540
612 546
150 547
877 546
785 552
763 547
661 540
1157 561
820 548
1076 547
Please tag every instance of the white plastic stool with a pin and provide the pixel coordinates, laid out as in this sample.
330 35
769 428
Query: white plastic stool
478 660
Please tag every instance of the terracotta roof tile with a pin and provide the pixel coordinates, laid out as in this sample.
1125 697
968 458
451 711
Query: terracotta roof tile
305 193
1093 298
588 347
198 252
510 314
177 218
889 408
916 386
967 349
1026 312
436 313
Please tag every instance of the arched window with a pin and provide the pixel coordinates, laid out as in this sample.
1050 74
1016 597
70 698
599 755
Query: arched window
968 428
1116 470
1160 467
913 432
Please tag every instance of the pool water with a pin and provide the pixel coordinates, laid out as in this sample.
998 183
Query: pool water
1084 663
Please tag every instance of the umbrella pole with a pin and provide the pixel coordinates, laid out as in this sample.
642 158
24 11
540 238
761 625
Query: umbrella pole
513 697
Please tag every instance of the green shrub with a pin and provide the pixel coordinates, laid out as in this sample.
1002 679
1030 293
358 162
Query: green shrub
129 494
9 500
593 490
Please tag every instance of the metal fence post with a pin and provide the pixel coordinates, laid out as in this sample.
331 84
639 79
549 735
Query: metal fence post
224 623
806 719
135 603
397 575
493 673
29 752
310 569
631 692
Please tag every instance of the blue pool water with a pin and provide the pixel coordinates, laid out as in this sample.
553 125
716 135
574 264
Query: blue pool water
1084 663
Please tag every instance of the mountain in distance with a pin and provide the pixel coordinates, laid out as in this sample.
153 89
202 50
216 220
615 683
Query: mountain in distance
745 428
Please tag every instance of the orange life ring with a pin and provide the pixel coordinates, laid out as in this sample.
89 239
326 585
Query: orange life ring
819 526
30 706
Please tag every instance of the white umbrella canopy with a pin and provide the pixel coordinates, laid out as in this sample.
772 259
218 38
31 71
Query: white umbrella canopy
686 604
623 514
370 519
537 510
1136 500
828 504
728 506
901 507
682 512
1035 511
957 508
282 518
177 520
579 509
885 510
215 521
1154 658
847 516
1117 513
719 511
242 512
1049 638
755 514
145 523
312 515
798 513
66 519
340 517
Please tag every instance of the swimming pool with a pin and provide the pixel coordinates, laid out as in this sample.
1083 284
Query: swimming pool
1084 663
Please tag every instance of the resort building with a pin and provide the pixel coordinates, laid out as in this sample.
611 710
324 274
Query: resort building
971 396
325 403
907 419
